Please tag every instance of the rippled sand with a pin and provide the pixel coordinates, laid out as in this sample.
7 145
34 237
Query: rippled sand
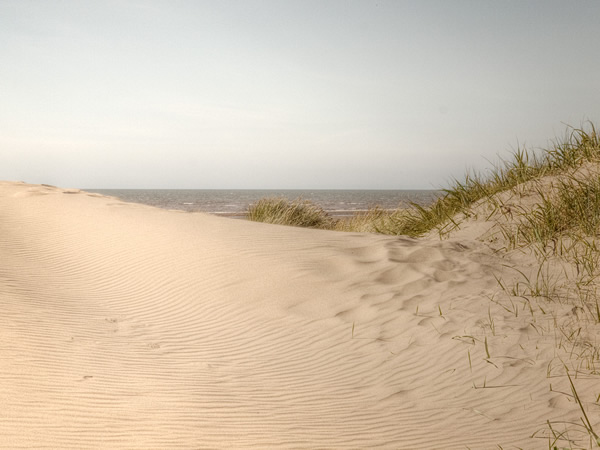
127 326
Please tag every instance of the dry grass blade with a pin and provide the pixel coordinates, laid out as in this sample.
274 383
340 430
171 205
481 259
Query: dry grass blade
585 419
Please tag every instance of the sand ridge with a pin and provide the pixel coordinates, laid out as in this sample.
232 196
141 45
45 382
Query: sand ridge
127 326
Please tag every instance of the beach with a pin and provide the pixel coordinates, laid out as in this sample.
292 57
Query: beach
129 326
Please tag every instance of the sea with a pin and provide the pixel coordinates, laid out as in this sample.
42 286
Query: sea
235 202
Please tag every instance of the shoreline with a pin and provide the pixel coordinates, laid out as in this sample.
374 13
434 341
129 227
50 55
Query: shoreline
235 202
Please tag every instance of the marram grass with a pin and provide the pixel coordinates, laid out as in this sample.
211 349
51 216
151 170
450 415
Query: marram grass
299 213
375 220
574 208
577 147
304 213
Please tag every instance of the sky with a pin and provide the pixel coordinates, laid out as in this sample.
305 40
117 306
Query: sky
287 94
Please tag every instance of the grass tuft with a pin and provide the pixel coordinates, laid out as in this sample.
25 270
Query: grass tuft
281 211
576 148
574 207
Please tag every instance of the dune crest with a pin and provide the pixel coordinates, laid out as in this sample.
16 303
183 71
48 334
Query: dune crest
127 326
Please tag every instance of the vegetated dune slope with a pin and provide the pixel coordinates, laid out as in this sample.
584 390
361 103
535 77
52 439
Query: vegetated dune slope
126 326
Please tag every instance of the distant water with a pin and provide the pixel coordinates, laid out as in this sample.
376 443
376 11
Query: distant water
234 202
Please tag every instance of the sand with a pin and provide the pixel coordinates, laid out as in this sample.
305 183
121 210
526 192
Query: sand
127 326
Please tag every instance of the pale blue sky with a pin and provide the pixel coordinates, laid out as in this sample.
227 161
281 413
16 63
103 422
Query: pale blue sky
286 94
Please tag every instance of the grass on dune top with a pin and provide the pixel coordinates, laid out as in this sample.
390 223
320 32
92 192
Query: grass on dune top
304 213
579 146
301 213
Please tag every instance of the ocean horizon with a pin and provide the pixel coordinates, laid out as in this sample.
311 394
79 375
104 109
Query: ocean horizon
235 202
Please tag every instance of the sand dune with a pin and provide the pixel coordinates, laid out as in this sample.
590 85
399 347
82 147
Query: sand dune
126 326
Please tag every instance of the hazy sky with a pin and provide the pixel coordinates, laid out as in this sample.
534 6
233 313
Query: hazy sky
287 94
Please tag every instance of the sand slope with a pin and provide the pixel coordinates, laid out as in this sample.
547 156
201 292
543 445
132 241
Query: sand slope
125 326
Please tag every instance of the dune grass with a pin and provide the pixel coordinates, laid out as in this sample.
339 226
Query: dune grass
281 211
375 220
570 210
304 213
578 146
